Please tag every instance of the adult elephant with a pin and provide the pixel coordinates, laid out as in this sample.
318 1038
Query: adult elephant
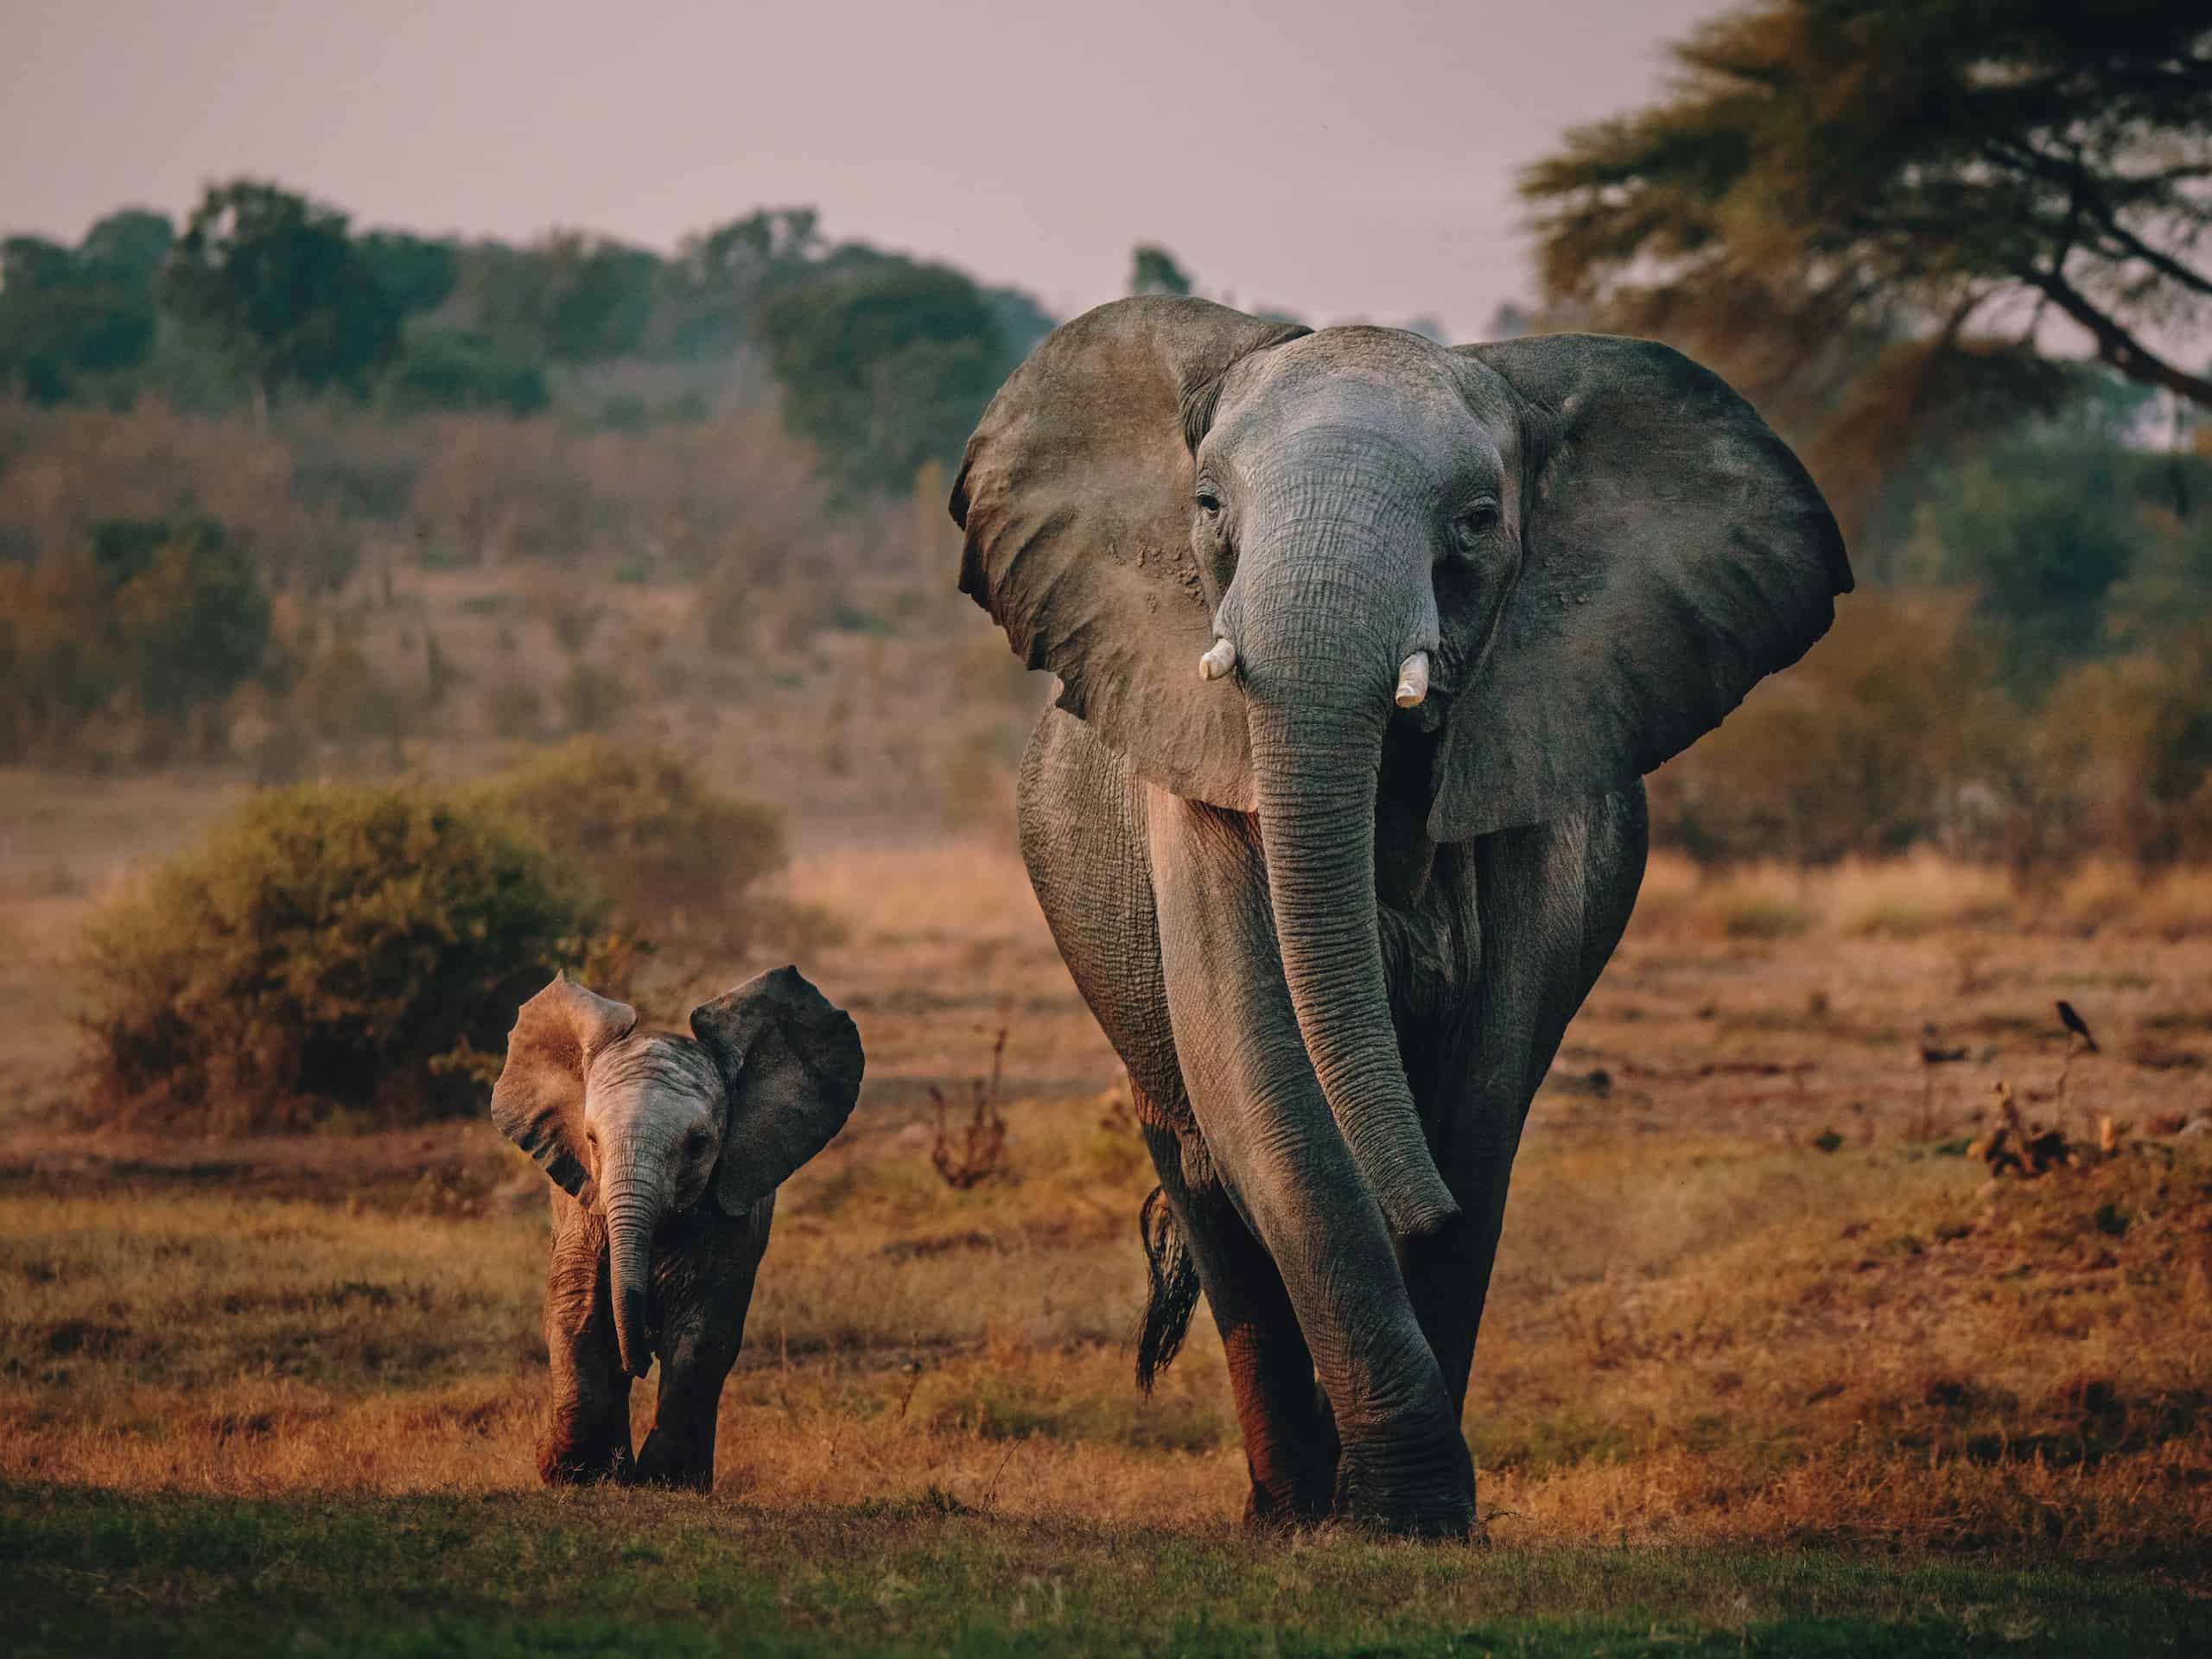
1364 645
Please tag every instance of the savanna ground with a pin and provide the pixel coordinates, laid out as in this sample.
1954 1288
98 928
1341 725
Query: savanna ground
1770 1364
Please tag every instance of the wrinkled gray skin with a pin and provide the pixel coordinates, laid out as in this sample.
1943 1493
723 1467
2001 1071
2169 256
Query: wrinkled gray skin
1336 940
665 1151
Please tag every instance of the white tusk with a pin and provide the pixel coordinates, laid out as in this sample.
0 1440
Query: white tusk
1218 663
1412 680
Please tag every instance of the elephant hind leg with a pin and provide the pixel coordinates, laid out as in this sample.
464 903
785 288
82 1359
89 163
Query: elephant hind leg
1290 1439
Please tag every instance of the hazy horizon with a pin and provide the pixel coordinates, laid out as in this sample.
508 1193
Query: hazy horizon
1030 145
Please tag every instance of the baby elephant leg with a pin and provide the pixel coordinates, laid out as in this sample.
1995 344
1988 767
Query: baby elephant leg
702 1285
587 1433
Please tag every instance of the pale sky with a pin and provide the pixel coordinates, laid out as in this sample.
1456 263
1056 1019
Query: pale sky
1340 161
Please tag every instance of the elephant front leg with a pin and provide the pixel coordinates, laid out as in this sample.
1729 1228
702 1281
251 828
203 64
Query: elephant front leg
703 1285
587 1433
1287 1168
1555 900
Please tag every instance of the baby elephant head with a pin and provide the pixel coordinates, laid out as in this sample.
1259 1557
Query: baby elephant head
642 1125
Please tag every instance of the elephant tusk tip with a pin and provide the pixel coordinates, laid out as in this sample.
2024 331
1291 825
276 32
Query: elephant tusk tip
1413 680
1220 662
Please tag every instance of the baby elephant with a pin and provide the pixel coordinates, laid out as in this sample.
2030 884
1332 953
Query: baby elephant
666 1153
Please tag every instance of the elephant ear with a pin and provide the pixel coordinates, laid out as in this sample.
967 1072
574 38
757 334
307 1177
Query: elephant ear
1076 496
791 1064
1674 553
538 1102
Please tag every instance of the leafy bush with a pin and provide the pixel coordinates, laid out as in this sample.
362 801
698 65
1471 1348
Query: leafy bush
159 619
1862 749
668 852
328 951
451 369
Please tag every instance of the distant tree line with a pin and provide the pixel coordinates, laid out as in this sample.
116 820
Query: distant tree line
881 361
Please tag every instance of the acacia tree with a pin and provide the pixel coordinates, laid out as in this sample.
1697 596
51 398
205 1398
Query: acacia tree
1866 211
283 290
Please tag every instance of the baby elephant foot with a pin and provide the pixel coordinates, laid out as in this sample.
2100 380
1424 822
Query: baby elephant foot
562 1465
679 1464
580 1444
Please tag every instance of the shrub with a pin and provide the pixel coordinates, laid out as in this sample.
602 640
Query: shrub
325 950
450 369
667 852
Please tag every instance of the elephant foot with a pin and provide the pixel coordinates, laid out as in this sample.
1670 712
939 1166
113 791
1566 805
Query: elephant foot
1425 1492
561 1466
663 1462
1297 1491
1272 1513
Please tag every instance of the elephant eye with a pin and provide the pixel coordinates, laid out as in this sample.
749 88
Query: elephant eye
696 1142
1475 522
1209 501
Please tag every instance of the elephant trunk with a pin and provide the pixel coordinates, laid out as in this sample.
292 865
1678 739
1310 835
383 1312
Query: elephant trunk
1320 656
632 1208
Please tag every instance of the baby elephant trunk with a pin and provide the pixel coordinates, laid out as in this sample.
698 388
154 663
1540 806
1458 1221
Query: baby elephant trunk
631 1216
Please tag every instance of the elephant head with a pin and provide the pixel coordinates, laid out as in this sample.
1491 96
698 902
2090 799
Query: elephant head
643 1126
1259 558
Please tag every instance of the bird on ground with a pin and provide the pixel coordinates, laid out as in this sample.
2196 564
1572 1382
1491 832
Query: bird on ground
1932 1052
2076 1024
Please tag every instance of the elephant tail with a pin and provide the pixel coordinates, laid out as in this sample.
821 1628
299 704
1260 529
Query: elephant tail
1171 1290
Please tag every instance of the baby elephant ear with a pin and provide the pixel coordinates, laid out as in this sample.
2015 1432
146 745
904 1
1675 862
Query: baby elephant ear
791 1064
538 1102
1674 553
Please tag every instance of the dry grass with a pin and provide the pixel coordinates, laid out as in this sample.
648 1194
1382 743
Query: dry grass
1706 1331
1919 895
1704 1347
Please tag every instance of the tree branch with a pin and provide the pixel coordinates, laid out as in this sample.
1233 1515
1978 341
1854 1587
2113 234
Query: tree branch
2115 345
2088 198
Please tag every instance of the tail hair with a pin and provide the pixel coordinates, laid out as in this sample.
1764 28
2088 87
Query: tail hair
1171 1290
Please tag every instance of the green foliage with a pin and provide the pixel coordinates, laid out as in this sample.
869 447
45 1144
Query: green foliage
1846 205
2043 538
666 851
2078 541
164 619
191 616
274 281
325 947
126 249
451 368
568 296
1153 269
1862 748
884 364
418 272
712 289
88 310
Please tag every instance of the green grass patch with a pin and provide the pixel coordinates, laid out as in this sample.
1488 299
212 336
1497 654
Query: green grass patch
619 1572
